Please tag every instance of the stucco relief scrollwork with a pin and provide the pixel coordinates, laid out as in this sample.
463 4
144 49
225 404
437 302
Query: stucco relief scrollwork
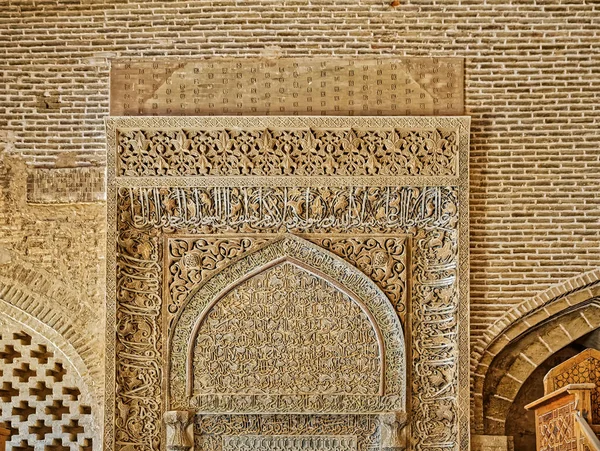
373 303
301 152
435 331
428 206
191 260
381 258
138 344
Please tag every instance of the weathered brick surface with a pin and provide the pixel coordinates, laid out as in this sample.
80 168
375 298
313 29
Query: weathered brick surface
66 185
52 265
532 89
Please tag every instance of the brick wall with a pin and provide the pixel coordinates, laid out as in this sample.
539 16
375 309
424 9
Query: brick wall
532 89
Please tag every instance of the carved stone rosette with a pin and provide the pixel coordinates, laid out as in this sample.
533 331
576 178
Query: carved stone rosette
269 274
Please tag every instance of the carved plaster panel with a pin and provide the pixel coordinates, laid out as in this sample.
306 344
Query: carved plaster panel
289 443
43 400
358 311
429 206
335 209
302 152
217 432
268 336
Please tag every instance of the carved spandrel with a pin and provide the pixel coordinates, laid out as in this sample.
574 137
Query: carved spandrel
192 260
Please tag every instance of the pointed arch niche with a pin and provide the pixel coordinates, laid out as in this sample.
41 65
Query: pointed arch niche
289 328
220 316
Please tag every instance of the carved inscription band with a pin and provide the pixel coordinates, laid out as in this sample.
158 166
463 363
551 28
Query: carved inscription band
289 443
208 177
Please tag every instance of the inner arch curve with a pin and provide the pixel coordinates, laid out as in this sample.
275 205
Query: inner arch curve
289 322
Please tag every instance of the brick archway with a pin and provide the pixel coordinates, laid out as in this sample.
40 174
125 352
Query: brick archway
48 307
514 365
525 337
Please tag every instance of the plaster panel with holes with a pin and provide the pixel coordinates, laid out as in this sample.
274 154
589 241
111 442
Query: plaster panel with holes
44 404
287 86
285 283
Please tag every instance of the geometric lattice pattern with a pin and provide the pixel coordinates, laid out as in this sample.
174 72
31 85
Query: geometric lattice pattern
587 371
40 395
557 429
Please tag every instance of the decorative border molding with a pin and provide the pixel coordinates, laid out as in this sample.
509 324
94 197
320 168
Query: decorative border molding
440 326
210 429
304 442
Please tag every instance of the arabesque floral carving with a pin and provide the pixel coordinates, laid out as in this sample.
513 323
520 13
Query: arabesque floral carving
300 152
192 260
416 198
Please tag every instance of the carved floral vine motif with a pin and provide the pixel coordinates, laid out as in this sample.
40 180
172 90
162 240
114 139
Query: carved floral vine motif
193 260
302 152
190 261
381 258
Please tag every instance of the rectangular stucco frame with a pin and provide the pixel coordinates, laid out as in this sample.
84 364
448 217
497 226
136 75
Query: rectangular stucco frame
432 425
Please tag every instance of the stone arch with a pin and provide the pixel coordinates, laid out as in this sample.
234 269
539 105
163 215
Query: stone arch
48 307
334 273
515 363
518 322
